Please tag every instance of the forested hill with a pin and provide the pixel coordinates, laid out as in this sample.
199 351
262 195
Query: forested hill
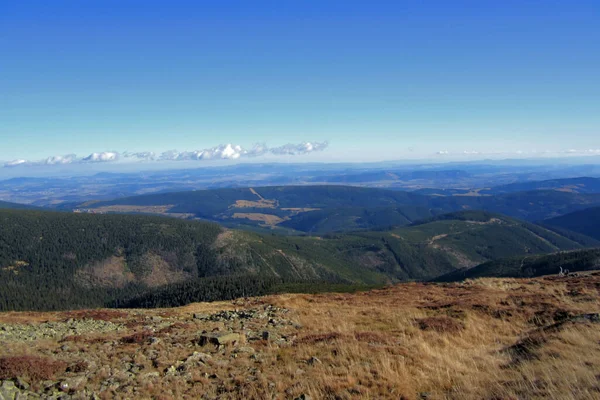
586 222
325 209
530 266
73 260
16 206
570 185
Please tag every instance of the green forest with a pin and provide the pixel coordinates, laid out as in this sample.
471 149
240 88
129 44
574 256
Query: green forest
79 260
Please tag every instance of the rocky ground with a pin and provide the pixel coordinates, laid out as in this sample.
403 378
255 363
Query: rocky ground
489 338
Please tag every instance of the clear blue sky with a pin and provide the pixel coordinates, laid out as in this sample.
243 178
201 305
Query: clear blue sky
378 80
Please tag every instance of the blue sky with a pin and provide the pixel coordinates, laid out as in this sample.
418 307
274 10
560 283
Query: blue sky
377 80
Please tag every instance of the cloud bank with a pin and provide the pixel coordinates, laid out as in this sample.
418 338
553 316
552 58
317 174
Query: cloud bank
221 152
521 153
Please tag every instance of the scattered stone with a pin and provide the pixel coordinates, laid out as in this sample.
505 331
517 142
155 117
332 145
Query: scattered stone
314 360
153 340
220 339
8 390
21 384
303 396
55 330
64 386
150 375
245 349
199 357
266 335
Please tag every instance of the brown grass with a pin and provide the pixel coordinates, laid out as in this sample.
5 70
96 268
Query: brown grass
254 204
31 367
440 324
98 315
137 338
481 339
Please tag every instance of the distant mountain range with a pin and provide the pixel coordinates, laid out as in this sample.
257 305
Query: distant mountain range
16 206
474 178
321 209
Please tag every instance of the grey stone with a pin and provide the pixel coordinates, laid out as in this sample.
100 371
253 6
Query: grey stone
219 339
245 349
73 383
21 384
198 357
314 360
8 391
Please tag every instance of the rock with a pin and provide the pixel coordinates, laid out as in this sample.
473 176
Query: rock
8 391
245 349
150 375
21 384
314 360
153 340
220 339
303 396
198 357
266 335
64 386
74 383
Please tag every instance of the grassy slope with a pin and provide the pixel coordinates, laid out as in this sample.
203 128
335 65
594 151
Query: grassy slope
483 339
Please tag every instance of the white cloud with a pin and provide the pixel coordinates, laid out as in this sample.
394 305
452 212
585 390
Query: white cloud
221 152
16 163
302 148
68 159
102 157
442 152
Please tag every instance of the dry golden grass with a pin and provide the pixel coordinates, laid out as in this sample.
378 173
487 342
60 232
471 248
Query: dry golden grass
134 209
481 339
254 204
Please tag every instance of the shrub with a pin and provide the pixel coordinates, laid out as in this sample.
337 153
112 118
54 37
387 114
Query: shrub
32 367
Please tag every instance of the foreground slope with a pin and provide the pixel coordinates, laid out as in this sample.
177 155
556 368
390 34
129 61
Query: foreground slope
485 339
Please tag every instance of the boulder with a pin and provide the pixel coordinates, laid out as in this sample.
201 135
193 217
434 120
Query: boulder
220 339
8 390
